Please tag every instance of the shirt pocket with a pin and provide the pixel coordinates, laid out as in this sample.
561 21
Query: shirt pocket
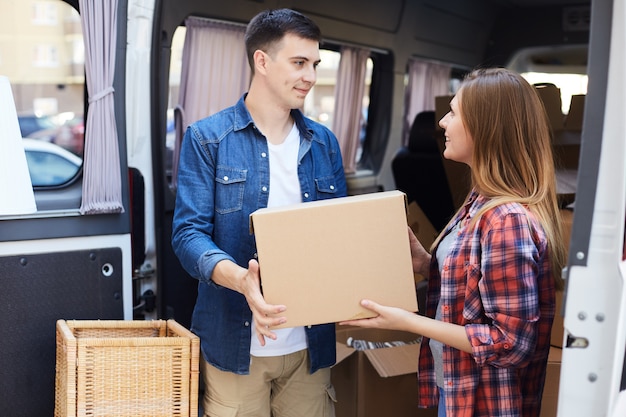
229 189
326 187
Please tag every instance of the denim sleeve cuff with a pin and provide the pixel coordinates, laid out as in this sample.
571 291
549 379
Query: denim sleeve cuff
207 262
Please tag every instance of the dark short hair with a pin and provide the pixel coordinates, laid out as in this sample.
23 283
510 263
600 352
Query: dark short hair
270 26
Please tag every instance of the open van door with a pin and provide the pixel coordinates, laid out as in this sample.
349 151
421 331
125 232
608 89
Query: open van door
593 381
56 262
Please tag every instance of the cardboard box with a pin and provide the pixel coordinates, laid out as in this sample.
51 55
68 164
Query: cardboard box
321 258
550 397
422 228
574 118
558 329
383 382
457 173
377 382
558 326
551 97
442 106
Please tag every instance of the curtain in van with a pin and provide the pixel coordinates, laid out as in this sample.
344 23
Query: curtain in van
427 80
348 114
102 181
214 74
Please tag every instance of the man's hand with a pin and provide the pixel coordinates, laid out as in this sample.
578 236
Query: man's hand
265 315
248 282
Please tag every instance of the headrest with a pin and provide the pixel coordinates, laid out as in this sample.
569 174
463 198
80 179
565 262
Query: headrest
422 135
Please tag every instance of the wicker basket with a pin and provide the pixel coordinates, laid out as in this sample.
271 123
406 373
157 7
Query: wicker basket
126 369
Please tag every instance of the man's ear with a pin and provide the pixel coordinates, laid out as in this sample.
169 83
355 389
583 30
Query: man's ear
260 61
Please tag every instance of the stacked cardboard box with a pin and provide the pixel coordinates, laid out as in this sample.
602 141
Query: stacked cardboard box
551 389
377 382
551 97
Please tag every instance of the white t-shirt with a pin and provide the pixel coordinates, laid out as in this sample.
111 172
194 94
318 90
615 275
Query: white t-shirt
284 190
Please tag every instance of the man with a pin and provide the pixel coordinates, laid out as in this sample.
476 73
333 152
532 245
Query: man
260 152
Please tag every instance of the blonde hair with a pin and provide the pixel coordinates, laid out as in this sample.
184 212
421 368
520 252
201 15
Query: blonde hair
512 159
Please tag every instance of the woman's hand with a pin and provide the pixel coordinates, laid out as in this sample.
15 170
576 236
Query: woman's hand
392 318
419 256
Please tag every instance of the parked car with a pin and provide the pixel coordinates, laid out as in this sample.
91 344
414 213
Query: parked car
70 134
31 123
49 164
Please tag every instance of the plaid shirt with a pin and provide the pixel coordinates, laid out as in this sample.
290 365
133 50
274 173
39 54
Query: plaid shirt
497 282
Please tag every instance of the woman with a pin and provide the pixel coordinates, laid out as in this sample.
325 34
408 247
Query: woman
496 265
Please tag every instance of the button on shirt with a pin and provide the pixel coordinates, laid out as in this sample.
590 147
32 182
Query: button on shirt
497 282
223 177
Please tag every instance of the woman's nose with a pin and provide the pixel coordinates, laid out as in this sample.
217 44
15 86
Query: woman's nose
443 121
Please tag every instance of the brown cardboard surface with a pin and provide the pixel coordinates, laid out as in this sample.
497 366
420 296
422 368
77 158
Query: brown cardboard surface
421 226
550 398
558 330
551 97
320 259
442 106
574 118
363 391
398 360
377 382
388 362
458 175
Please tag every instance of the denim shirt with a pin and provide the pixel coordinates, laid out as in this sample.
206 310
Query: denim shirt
223 177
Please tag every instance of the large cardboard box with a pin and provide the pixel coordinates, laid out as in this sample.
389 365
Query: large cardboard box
383 382
574 118
551 97
377 382
421 226
442 107
321 258
558 330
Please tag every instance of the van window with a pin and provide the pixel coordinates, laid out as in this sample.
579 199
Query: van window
569 84
319 104
42 55
564 66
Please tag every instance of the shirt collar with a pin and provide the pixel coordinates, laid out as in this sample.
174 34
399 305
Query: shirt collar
243 119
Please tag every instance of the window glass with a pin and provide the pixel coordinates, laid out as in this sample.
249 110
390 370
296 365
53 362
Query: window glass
320 102
49 164
176 64
42 49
